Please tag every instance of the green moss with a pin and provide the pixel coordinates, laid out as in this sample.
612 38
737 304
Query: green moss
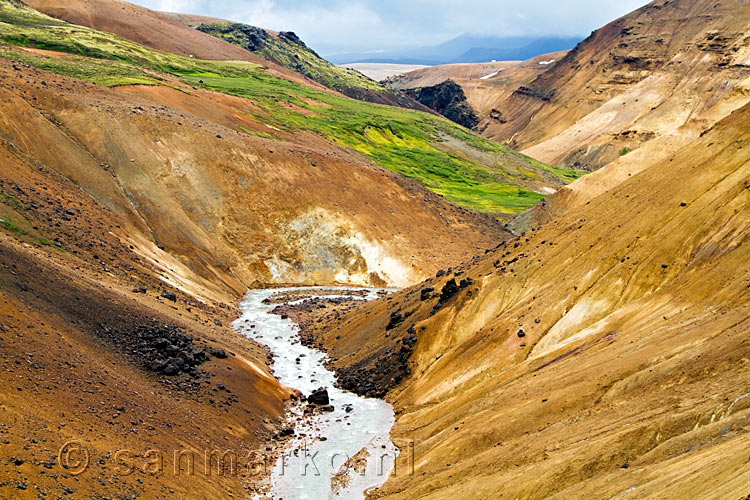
256 133
11 201
9 225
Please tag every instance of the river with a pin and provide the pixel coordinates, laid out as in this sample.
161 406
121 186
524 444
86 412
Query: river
357 432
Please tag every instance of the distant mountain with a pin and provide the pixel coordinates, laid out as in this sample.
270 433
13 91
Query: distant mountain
467 48
533 49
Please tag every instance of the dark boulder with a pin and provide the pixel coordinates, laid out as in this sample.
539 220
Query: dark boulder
218 353
319 397
292 37
171 369
286 432
396 318
448 291
169 295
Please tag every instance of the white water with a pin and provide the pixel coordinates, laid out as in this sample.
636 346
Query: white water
305 470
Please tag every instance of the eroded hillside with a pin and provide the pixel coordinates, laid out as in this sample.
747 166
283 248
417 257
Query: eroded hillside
603 354
670 69
102 349
485 84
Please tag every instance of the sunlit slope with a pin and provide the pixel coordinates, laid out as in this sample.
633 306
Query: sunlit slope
602 355
670 69
447 159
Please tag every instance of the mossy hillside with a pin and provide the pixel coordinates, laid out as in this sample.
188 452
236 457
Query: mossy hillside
403 141
289 51
14 220
411 143
96 56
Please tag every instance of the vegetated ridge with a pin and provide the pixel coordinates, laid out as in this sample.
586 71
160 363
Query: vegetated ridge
286 49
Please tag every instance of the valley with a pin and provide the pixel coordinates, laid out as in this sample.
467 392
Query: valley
665 73
221 254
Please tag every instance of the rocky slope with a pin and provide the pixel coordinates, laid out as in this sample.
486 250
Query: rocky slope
601 354
89 327
669 69
448 99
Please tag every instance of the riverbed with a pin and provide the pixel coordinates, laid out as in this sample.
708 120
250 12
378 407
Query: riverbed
338 454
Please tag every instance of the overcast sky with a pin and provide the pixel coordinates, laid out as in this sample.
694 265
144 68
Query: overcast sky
340 26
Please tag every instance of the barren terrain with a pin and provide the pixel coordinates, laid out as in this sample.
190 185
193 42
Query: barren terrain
602 354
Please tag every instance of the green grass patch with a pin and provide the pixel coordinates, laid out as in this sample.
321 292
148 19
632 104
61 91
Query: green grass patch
9 225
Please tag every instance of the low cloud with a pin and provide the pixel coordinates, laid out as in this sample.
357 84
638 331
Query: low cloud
335 26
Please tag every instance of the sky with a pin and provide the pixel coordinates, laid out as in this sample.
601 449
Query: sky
370 26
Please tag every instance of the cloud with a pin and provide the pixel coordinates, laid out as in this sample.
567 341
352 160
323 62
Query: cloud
335 26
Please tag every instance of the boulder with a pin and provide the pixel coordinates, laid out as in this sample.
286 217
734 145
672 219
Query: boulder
319 397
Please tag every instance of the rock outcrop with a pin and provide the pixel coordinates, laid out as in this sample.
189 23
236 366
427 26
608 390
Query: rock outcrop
448 99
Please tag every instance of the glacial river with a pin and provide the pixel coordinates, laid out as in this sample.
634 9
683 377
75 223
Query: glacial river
356 433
